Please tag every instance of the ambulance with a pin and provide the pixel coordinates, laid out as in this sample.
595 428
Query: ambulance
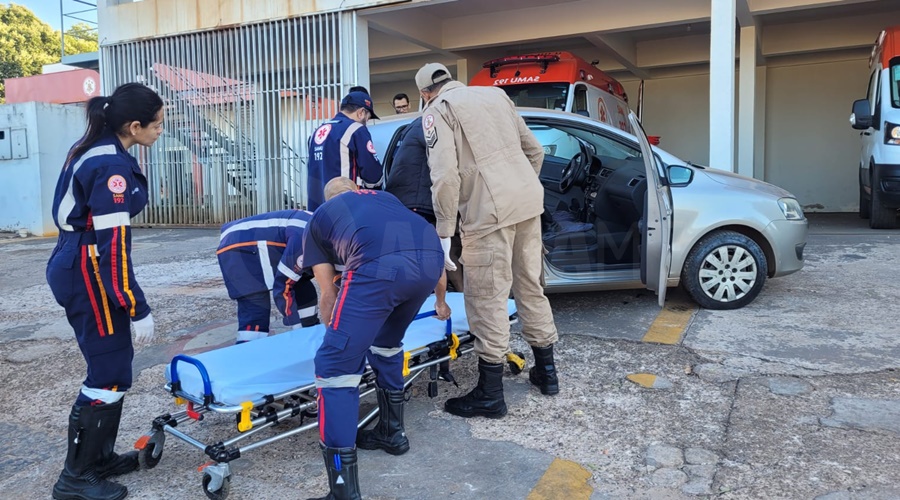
558 80
878 118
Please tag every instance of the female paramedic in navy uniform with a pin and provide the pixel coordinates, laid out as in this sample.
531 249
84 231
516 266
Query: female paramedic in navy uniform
91 274
392 261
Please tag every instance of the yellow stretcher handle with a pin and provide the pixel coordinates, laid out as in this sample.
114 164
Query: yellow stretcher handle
180 401
406 363
454 345
515 359
244 424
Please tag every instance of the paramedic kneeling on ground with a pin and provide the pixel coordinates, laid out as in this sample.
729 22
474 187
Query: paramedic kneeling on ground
263 254
392 260
91 273
485 164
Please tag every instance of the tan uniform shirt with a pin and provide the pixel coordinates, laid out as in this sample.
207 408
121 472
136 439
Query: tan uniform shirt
484 161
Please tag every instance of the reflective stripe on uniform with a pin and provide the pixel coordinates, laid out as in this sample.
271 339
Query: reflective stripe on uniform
258 224
92 251
266 264
345 150
68 201
308 312
111 220
102 394
285 270
385 352
339 381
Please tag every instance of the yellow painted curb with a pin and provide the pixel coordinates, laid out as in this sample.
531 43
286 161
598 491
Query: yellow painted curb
670 323
643 379
563 479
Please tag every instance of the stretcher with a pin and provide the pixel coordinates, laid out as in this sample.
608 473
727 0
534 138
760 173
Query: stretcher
271 380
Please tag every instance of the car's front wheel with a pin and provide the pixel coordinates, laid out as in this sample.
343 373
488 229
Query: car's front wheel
724 270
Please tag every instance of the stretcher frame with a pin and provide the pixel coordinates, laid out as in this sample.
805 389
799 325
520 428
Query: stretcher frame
252 417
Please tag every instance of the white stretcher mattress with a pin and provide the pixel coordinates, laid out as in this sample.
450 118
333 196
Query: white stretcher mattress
279 363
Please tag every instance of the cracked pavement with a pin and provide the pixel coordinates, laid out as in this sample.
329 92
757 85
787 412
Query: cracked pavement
795 396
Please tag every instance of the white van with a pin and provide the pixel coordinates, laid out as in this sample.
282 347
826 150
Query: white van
878 116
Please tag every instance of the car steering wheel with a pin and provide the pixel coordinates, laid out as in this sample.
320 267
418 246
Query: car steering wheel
575 171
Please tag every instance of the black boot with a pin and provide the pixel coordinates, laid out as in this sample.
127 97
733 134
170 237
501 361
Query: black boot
388 433
486 399
543 373
111 463
343 474
79 479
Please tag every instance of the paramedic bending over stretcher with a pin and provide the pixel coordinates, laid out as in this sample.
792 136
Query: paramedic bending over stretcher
263 254
392 260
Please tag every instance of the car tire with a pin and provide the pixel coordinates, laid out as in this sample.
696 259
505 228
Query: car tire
879 216
708 274
864 207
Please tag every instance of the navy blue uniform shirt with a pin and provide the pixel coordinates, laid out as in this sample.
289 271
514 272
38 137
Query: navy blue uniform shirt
96 196
341 147
357 227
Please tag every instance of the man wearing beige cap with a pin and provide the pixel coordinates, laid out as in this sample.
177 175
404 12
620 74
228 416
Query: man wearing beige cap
484 164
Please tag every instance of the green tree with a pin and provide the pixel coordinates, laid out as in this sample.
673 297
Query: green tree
81 38
27 43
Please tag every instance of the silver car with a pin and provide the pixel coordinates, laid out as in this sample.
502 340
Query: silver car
619 215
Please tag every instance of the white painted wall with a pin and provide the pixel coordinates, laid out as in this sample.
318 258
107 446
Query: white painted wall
676 109
810 148
27 185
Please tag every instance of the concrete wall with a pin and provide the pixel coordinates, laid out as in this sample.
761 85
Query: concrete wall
27 184
676 108
121 20
810 148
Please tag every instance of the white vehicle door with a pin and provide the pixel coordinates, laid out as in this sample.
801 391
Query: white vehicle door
656 255
870 137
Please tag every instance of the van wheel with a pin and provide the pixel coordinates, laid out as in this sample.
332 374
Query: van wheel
881 217
864 207
724 270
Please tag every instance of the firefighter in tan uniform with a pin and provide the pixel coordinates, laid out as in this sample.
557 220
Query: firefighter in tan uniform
484 165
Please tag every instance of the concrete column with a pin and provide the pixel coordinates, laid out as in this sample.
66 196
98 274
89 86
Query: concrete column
759 164
721 84
462 70
747 102
355 62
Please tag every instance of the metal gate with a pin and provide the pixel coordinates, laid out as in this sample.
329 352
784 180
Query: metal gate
240 104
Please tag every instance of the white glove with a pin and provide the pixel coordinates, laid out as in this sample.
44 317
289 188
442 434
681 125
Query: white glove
143 329
448 263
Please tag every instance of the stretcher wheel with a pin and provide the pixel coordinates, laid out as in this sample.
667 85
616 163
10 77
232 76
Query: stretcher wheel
516 362
151 454
219 494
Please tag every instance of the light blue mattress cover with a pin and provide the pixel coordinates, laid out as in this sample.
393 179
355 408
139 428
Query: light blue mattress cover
279 363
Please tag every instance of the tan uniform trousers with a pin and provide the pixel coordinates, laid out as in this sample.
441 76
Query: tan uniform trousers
506 259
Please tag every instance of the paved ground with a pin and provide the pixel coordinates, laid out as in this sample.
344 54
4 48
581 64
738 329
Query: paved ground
794 396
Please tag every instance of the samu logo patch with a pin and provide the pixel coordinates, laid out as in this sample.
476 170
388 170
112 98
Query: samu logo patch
116 184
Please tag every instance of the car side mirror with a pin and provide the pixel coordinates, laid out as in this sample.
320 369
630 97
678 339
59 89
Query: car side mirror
680 175
861 115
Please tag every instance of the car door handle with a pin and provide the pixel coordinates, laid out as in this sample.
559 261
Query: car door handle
865 133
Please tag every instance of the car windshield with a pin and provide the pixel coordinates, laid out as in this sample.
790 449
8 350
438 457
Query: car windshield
895 84
539 95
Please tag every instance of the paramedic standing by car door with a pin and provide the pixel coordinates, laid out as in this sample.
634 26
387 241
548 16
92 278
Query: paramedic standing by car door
91 274
485 164
342 147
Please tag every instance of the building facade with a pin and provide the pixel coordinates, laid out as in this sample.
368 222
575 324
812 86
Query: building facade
759 87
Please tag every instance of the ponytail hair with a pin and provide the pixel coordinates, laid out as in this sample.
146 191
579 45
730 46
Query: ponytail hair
131 102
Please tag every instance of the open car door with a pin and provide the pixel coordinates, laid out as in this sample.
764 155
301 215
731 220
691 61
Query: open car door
656 248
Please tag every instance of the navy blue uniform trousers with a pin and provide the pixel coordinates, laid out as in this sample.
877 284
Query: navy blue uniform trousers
102 329
375 305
